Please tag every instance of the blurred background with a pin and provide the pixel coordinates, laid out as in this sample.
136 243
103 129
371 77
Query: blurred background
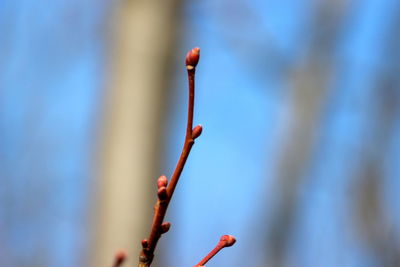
299 157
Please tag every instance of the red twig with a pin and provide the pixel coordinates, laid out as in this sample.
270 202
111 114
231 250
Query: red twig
225 241
166 191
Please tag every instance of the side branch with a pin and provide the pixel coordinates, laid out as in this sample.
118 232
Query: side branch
225 241
166 191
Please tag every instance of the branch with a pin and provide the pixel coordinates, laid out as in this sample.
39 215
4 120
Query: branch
225 241
166 191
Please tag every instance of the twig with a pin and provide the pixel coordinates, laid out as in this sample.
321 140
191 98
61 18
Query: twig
225 241
166 191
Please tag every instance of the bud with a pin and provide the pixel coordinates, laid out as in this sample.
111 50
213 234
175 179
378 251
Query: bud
162 193
165 227
162 181
196 132
145 243
192 58
120 257
228 239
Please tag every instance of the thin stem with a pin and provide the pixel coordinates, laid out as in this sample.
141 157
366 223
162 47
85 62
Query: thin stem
225 241
187 146
165 193
189 127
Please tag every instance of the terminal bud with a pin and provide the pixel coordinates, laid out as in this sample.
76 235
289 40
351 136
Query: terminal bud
192 58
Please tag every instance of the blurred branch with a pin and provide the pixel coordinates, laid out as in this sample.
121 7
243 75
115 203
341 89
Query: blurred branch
310 86
373 221
119 259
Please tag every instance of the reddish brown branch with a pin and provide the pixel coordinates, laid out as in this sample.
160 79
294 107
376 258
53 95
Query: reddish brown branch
225 241
166 191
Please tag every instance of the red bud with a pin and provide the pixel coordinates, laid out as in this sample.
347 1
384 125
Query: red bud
196 132
120 257
162 181
228 239
165 227
192 58
145 243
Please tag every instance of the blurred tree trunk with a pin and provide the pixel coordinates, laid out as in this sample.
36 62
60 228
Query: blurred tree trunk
134 108
309 87
374 222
